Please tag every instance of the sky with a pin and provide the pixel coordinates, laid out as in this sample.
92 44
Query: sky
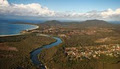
74 5
62 9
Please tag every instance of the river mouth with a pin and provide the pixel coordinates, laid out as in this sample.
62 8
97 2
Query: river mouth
34 54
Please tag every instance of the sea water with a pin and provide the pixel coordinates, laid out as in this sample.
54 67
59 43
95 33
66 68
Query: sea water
8 28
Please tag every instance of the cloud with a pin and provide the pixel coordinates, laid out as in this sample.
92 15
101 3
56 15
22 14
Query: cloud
33 9
4 3
36 10
110 12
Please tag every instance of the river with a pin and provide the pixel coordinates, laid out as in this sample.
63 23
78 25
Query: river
34 54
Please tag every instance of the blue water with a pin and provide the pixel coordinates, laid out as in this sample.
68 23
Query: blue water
7 28
34 54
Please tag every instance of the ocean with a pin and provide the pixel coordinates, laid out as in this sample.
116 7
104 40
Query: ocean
7 28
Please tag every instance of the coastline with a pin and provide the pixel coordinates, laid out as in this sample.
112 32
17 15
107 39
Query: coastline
20 33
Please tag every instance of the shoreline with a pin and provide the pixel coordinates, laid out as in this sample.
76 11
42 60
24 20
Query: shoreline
36 27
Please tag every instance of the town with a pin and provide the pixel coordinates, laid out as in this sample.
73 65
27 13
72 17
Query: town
112 50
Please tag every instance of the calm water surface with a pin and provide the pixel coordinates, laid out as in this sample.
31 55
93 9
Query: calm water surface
7 28
34 54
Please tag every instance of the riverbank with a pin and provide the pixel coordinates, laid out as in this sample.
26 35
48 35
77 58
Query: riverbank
80 38
36 52
24 44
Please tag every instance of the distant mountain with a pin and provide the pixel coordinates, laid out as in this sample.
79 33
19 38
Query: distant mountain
53 21
98 23
95 21
83 24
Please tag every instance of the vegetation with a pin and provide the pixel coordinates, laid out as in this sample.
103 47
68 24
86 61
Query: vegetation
80 34
24 44
90 33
